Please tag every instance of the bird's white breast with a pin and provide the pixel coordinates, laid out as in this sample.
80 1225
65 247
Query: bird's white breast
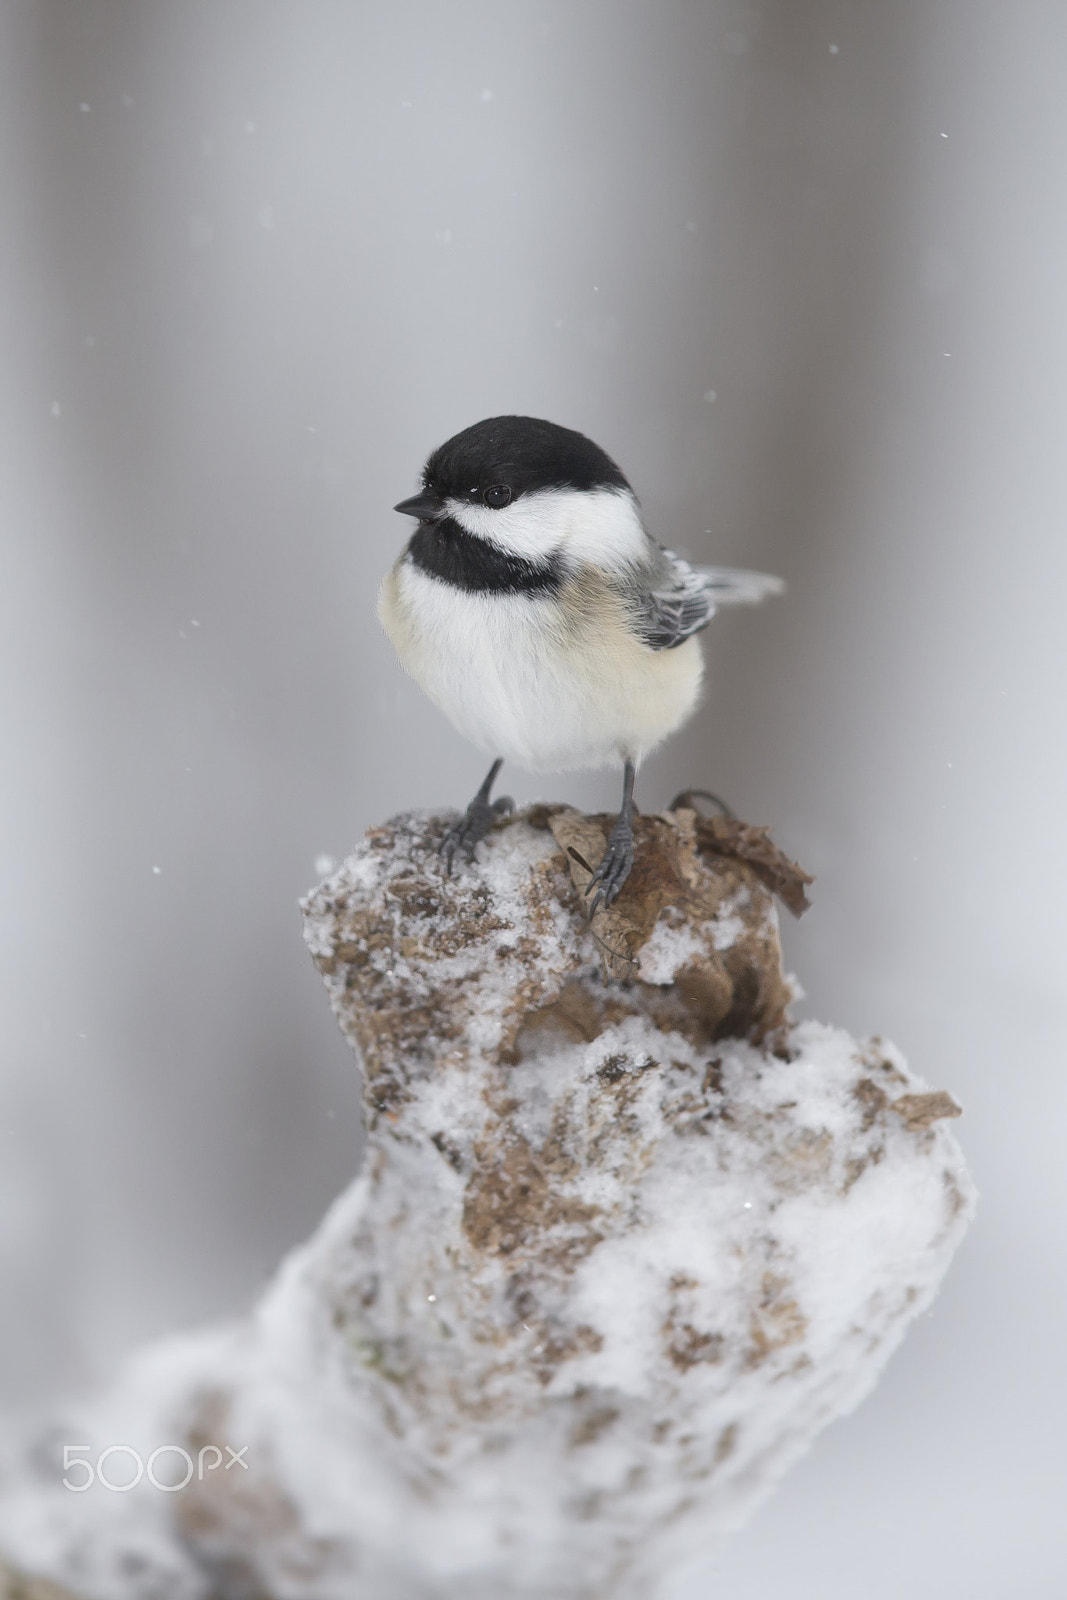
551 681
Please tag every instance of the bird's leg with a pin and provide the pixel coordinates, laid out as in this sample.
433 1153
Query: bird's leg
476 821
618 859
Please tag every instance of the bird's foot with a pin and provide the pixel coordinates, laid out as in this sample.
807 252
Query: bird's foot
615 866
473 825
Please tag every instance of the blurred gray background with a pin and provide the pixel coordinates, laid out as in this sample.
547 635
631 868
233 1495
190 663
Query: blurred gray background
801 269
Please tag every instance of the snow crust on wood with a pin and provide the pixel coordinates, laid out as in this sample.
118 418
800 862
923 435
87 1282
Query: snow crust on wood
624 1241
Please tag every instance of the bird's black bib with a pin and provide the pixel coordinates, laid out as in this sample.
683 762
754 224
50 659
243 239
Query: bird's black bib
447 551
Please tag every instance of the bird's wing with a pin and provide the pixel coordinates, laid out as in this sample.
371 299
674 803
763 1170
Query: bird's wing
680 599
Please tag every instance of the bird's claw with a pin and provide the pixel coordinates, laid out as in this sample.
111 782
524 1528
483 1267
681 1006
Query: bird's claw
615 867
472 826
689 796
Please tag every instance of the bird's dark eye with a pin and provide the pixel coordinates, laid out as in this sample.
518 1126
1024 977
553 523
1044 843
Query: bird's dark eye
497 495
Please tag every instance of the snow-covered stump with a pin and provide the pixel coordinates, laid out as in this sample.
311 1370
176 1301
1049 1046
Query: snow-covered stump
624 1241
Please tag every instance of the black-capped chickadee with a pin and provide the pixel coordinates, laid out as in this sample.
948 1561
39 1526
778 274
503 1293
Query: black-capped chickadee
533 608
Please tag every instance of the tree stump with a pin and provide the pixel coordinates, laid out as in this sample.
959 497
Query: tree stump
625 1239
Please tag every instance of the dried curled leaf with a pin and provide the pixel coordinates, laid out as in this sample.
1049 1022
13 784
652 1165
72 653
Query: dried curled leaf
729 976
919 1111
744 841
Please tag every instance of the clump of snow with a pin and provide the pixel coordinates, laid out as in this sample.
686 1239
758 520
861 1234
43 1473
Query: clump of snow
606 1272
668 950
729 924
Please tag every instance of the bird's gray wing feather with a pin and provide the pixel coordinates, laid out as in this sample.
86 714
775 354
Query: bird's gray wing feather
671 600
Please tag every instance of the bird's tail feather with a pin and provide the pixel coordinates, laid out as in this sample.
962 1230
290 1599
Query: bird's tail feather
733 586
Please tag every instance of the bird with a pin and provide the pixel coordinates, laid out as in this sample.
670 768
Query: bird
536 611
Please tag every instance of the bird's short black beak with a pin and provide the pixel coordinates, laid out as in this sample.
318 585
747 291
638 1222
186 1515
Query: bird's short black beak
426 506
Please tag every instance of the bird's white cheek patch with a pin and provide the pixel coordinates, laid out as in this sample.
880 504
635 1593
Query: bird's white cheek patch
597 527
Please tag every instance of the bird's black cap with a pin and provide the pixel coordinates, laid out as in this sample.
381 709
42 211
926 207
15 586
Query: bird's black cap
523 452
